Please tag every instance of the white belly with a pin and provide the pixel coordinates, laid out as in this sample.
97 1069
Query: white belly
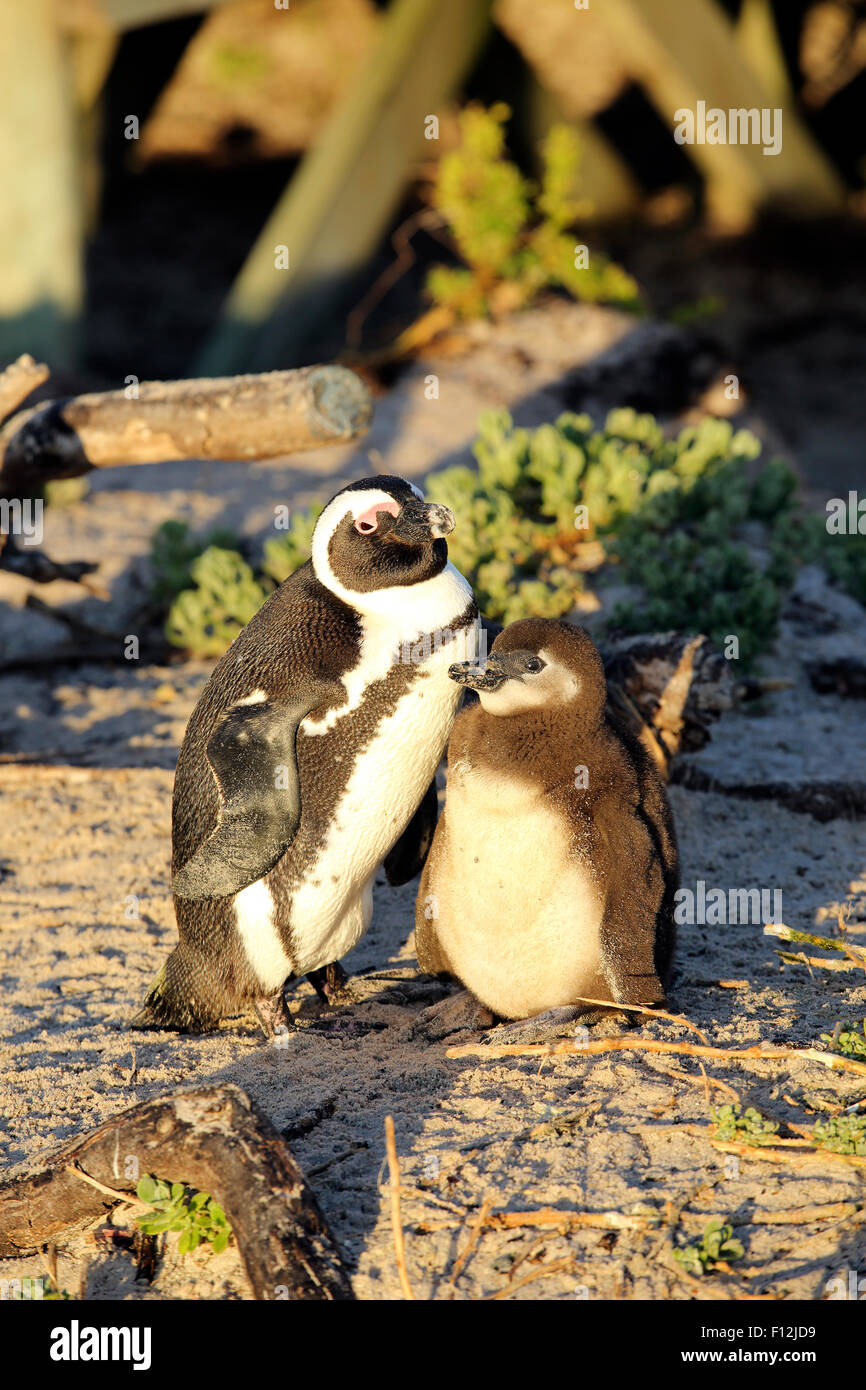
518 912
332 907
333 903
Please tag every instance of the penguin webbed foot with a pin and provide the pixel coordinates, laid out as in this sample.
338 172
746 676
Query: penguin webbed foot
273 1015
459 1013
554 1025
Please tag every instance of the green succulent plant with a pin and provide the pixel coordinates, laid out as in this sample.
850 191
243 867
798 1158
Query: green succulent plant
747 1125
195 1216
512 235
842 1134
283 554
703 533
224 596
665 511
173 551
717 1244
847 1038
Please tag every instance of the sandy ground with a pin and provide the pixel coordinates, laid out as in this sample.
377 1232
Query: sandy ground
87 920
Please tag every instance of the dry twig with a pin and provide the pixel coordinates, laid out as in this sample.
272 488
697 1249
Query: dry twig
475 1232
552 1267
396 1222
602 1045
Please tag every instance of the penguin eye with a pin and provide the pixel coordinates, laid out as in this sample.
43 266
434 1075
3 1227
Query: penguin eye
535 664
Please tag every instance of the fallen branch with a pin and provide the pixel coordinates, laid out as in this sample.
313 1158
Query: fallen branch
17 382
719 1054
243 417
396 1221
214 1140
32 564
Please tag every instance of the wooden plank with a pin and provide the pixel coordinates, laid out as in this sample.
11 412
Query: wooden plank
686 54
40 210
340 202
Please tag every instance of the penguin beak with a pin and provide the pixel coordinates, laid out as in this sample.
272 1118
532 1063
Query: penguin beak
490 677
421 522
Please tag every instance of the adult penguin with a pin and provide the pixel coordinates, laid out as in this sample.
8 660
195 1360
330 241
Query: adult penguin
309 757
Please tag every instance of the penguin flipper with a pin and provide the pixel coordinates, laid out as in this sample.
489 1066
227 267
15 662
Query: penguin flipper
407 857
252 755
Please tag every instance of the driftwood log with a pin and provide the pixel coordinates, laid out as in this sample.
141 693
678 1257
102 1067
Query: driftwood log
213 1140
670 688
242 417
18 381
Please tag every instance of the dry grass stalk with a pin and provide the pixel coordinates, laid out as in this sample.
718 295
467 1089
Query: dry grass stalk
826 943
800 958
778 1154
806 1216
553 1267
475 1233
603 1045
643 1009
557 1218
396 1223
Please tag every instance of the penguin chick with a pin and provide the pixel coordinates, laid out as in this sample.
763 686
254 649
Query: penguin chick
309 756
553 868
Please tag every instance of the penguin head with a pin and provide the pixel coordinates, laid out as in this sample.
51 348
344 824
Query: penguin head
537 664
378 534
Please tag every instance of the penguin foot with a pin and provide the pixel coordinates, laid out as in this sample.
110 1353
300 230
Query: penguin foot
459 1013
273 1014
555 1024
331 984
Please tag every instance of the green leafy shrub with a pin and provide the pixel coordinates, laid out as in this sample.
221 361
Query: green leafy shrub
283 554
173 550
667 512
704 533
842 556
749 1126
715 1245
225 595
175 1207
843 1134
513 236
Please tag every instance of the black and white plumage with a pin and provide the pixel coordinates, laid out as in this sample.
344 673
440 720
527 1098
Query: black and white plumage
307 758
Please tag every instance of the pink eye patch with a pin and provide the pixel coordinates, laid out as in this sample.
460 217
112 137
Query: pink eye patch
367 522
